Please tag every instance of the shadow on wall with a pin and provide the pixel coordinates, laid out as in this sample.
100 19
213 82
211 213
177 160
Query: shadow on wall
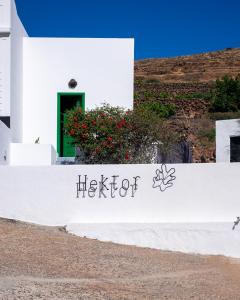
4 144
178 153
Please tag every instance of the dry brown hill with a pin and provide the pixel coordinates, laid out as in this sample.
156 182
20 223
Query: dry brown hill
204 67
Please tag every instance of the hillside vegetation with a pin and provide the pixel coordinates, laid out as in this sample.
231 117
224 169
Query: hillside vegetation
187 82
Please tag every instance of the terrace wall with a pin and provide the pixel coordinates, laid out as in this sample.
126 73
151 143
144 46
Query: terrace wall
50 194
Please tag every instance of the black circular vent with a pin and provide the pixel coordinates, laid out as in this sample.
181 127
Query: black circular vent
72 84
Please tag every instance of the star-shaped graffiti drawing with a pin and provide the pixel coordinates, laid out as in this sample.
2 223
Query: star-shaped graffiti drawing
164 178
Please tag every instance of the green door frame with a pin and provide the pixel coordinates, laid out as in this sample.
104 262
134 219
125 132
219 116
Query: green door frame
59 94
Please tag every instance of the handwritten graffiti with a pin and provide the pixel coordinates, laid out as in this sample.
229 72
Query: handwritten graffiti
164 178
106 187
235 223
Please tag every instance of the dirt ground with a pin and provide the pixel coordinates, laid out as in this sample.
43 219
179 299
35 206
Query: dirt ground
38 262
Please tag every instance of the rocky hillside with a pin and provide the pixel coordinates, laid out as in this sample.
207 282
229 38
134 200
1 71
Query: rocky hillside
186 82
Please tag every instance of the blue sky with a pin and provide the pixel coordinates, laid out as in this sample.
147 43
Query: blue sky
160 28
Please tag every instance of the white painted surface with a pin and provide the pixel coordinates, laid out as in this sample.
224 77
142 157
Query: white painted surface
32 155
17 34
5 14
224 130
103 69
11 65
47 195
39 68
4 144
202 238
5 47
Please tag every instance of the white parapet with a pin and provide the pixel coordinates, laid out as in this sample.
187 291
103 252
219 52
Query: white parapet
179 193
32 154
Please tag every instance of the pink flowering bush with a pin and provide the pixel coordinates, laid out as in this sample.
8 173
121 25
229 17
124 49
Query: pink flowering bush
111 134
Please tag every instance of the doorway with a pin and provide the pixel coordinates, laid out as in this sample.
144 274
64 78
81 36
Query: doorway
65 102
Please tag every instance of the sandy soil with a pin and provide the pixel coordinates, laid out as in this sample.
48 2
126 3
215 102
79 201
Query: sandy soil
38 262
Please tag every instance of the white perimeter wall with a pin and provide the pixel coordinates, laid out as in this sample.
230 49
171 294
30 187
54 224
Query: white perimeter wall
4 145
224 130
47 195
103 69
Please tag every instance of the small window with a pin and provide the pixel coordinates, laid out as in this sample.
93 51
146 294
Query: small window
235 149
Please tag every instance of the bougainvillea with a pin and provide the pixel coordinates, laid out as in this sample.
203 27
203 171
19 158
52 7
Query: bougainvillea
101 134
113 135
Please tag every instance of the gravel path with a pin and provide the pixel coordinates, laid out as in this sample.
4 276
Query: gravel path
38 262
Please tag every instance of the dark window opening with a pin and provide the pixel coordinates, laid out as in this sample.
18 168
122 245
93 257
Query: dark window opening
235 149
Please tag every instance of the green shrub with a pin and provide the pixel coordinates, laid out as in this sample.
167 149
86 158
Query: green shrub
164 95
152 81
161 110
148 95
209 134
136 95
139 81
226 95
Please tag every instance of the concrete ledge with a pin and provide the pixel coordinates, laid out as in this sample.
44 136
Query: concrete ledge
32 154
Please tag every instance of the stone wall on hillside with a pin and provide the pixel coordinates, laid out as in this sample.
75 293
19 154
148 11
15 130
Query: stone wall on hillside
175 88
190 99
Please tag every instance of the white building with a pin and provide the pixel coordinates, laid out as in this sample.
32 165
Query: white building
34 86
228 140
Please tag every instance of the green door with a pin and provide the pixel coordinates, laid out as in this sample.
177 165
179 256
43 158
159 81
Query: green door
68 147
66 101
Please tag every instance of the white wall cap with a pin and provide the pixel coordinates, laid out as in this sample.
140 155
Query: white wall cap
5 29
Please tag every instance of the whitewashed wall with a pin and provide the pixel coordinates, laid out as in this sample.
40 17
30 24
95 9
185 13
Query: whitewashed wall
5 48
17 34
47 195
11 33
224 130
5 24
5 12
4 144
103 69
